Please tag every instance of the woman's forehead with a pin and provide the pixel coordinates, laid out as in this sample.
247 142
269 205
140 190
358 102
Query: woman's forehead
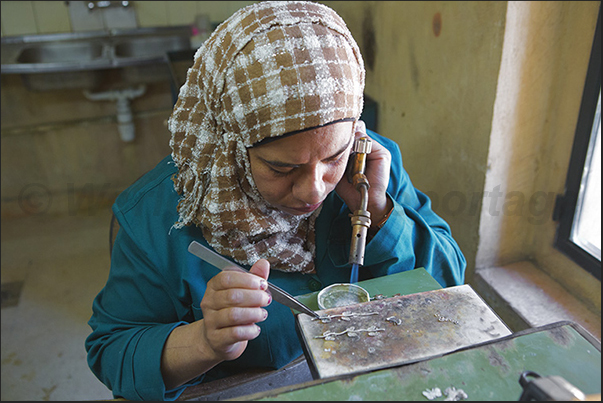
317 143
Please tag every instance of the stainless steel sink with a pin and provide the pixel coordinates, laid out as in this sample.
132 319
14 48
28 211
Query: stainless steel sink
82 51
144 47
56 53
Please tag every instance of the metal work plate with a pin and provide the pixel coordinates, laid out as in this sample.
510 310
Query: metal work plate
392 331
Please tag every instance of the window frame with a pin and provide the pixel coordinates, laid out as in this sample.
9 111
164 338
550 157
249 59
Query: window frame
565 208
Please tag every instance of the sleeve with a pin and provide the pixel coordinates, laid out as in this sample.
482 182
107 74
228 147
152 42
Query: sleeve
132 317
413 236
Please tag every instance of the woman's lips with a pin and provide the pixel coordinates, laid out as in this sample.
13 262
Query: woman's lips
307 209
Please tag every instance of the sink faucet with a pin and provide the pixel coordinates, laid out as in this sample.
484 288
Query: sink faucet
106 4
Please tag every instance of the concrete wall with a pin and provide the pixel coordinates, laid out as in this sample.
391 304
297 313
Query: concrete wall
545 59
433 68
62 154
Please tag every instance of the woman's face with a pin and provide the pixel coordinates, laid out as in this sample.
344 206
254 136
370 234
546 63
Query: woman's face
296 173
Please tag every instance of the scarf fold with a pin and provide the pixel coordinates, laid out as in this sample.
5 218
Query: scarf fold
271 68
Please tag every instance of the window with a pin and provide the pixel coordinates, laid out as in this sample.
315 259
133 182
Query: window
578 210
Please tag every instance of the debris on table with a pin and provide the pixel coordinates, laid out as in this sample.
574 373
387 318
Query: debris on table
454 394
432 393
451 393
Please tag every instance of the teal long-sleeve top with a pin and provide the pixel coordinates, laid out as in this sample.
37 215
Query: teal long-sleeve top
155 284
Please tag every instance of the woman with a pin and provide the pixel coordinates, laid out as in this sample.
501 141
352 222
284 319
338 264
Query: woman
261 135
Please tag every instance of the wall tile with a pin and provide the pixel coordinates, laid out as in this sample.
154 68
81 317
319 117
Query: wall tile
51 16
151 13
18 18
82 19
119 17
181 12
218 11
233 6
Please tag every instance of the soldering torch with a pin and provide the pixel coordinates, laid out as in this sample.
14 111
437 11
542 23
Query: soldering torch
361 218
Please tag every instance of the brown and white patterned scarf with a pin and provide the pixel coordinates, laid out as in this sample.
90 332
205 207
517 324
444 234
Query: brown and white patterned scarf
271 68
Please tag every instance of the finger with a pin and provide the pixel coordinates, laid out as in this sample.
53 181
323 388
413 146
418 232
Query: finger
228 279
377 147
360 128
238 297
378 151
238 316
223 338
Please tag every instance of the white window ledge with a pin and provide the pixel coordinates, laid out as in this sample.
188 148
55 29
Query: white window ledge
525 297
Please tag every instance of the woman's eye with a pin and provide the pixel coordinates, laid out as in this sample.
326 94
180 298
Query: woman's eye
339 159
280 172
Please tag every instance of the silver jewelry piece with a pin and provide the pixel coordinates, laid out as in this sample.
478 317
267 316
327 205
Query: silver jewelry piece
394 320
344 316
329 335
445 319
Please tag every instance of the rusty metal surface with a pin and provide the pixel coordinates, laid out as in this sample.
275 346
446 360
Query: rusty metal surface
397 330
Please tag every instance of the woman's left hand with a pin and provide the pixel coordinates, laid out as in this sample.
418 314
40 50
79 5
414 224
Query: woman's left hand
377 171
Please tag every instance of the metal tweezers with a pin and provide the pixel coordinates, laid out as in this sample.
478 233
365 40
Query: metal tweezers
278 294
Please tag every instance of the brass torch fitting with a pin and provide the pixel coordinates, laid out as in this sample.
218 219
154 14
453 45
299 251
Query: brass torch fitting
361 222
362 147
361 218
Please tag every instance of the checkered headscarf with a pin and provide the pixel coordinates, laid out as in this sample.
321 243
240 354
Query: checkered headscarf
271 68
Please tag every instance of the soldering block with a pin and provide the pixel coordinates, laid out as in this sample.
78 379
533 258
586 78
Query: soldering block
391 331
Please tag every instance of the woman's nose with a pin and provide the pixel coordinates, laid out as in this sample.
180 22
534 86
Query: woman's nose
310 187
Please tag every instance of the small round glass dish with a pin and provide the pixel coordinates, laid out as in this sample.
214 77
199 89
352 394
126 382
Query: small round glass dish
341 294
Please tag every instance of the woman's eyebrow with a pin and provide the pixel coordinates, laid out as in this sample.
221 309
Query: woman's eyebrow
279 164
282 164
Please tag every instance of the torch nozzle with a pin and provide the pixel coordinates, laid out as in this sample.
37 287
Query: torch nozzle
361 218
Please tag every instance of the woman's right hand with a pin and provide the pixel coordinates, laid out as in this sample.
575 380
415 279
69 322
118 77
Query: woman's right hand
232 305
